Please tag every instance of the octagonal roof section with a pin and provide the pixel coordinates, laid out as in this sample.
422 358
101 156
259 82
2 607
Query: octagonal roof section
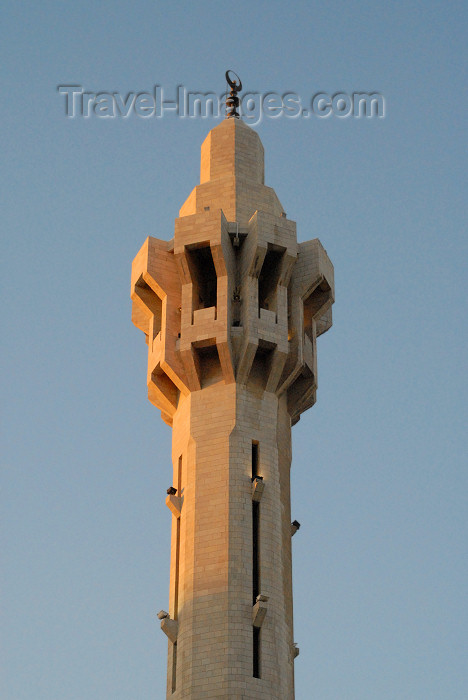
232 147
232 175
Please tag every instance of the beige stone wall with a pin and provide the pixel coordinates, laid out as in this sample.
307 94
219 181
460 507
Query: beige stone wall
213 432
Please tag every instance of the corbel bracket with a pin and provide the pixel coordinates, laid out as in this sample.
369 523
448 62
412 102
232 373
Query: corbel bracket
174 503
259 610
257 488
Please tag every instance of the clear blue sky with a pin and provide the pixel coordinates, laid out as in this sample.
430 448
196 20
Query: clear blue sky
379 466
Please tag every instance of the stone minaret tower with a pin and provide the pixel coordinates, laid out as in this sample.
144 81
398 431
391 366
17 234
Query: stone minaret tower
231 308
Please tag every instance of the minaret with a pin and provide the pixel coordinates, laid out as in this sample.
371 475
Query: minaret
231 308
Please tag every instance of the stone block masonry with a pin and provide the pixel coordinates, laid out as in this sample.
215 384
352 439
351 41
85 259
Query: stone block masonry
231 309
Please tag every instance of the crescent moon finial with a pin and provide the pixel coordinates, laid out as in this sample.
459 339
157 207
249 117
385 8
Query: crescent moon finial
233 84
232 101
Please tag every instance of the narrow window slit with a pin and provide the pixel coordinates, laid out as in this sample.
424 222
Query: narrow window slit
176 582
255 561
254 460
176 577
177 553
174 666
256 652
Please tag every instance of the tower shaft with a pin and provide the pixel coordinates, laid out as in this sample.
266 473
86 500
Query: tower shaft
227 548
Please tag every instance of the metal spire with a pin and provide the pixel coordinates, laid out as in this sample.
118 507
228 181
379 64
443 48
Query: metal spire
232 101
